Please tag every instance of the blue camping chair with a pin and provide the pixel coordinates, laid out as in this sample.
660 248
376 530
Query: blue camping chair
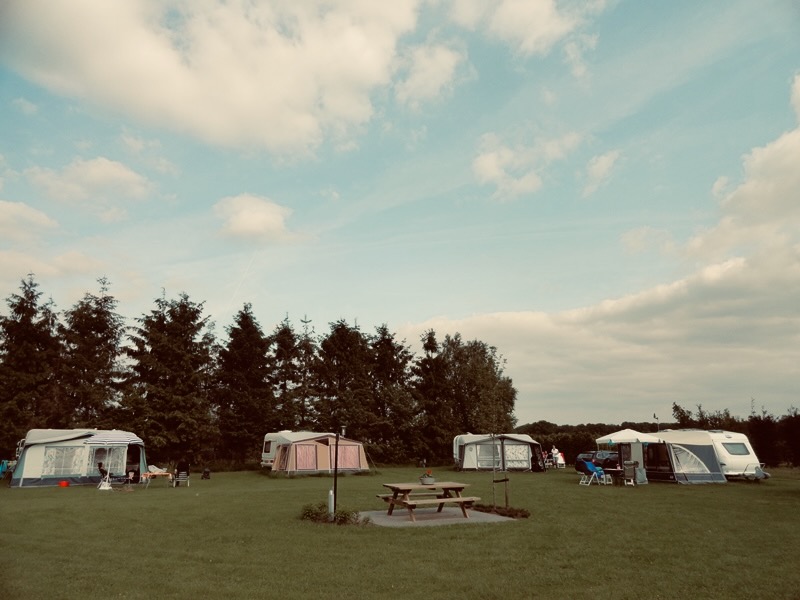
595 474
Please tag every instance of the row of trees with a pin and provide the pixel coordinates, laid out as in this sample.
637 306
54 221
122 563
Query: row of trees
186 393
775 440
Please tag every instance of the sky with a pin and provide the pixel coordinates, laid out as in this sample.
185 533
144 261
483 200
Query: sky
607 191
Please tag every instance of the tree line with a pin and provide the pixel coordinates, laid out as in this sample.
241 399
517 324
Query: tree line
775 440
170 380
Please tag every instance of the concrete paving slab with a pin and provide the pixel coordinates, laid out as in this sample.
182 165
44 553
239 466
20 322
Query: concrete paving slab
428 517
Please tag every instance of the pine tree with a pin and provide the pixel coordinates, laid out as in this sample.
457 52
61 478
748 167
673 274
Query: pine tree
168 384
92 335
29 366
244 399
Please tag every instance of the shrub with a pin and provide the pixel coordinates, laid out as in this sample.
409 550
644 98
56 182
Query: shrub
318 513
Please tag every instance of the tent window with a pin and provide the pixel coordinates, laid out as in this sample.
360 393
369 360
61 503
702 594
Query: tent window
306 457
517 456
488 456
348 457
112 457
62 460
737 449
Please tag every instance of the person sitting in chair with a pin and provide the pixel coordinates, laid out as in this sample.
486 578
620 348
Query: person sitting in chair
103 472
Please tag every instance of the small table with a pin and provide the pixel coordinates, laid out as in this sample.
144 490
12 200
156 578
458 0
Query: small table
153 475
411 495
616 475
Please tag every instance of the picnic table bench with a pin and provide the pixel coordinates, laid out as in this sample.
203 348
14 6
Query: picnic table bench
412 495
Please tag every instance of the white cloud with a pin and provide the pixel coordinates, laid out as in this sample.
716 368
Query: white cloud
19 221
149 151
279 75
97 185
717 338
516 171
26 107
253 217
762 211
431 71
532 27
598 171
574 51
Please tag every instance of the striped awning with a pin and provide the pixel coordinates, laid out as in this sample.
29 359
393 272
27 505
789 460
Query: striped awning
114 437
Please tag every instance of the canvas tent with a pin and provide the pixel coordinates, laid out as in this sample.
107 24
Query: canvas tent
50 456
503 452
308 452
631 446
684 456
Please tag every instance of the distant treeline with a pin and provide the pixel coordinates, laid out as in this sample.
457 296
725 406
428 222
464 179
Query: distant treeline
187 394
775 440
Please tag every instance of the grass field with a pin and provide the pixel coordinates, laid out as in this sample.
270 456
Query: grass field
239 535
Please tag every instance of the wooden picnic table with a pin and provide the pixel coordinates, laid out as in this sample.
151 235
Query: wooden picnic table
412 495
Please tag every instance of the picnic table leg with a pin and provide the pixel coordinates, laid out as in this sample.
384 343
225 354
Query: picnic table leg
391 502
411 513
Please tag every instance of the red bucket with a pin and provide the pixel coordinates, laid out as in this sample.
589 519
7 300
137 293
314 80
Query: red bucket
63 484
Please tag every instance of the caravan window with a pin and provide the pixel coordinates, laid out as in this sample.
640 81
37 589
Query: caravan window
737 448
267 446
62 460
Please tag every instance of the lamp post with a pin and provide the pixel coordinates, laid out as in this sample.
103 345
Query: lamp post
336 468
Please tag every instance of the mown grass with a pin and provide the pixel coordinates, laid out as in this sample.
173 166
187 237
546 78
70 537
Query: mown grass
239 535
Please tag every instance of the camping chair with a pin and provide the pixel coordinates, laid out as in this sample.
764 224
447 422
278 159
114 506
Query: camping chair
597 474
586 474
181 477
105 480
629 472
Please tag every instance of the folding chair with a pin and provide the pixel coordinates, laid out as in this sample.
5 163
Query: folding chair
629 473
181 477
587 475
598 475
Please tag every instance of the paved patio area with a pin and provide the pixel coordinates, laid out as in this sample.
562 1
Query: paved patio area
428 517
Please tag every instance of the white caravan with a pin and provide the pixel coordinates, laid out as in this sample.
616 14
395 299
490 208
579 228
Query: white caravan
736 455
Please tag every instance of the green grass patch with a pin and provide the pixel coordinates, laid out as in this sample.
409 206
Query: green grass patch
240 535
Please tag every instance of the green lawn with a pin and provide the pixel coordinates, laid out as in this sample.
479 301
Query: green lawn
239 535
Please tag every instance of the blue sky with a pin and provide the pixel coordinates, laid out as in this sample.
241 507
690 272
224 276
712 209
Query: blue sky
606 191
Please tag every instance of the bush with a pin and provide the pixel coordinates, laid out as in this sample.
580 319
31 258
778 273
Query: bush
318 513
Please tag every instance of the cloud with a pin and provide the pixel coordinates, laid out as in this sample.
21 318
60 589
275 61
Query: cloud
274 75
515 171
723 334
763 211
19 221
149 151
715 338
574 50
253 217
431 71
531 27
26 107
598 171
96 185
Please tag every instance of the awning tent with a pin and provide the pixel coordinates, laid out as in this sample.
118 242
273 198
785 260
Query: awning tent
504 452
631 446
309 452
50 456
676 456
